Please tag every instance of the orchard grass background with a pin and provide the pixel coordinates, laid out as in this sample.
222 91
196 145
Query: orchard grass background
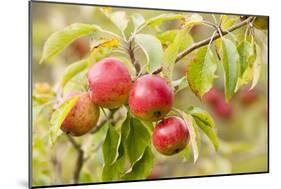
215 64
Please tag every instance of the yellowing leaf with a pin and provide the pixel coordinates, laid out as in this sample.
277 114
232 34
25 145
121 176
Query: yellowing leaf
171 53
99 45
201 71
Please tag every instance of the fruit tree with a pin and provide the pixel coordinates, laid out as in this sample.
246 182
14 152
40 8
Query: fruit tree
122 90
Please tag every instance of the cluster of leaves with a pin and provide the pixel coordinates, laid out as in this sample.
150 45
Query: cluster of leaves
127 151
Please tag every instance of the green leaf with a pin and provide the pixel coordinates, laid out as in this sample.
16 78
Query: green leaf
85 177
110 172
170 54
137 140
113 171
201 115
163 17
59 40
247 55
78 82
192 131
142 168
210 133
179 84
167 37
230 62
148 125
138 20
118 18
186 153
59 115
201 71
152 49
205 121
125 129
110 145
73 69
197 133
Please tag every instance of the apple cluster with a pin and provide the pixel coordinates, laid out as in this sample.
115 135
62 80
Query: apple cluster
149 98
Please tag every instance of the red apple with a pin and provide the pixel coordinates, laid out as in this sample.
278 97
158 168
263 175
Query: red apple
170 136
223 109
110 83
248 97
82 117
81 47
212 96
151 98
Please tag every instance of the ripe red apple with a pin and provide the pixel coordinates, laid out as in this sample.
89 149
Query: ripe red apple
151 98
170 136
80 47
248 97
110 83
212 96
223 109
82 117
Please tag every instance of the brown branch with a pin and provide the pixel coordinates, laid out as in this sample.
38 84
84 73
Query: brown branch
132 57
206 41
57 168
80 159
80 153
